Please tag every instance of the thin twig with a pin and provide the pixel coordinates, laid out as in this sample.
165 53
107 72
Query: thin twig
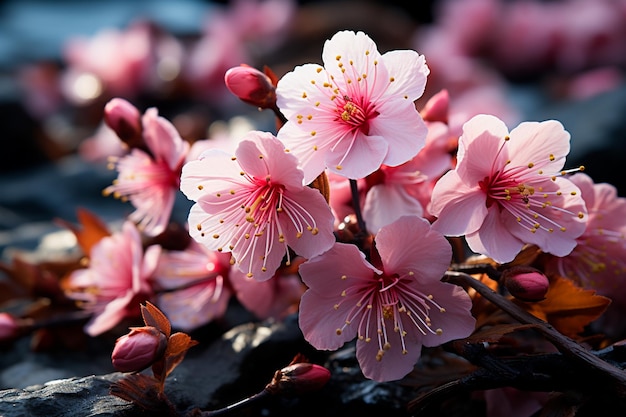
223 411
356 204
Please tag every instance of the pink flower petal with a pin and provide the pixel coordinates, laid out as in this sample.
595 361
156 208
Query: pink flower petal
386 203
260 154
409 73
403 128
194 178
460 209
163 139
393 365
483 135
495 238
544 145
409 244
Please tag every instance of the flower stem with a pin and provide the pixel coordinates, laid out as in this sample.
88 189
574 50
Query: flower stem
224 411
356 204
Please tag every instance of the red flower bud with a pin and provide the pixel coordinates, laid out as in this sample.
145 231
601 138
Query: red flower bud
251 86
299 378
138 349
8 327
125 120
526 283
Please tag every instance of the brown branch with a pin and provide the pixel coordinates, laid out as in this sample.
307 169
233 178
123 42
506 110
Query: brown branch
568 347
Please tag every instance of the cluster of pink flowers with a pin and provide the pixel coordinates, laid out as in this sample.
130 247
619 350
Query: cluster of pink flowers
264 232
146 59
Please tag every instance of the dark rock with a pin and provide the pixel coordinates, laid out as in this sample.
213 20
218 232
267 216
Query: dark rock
87 397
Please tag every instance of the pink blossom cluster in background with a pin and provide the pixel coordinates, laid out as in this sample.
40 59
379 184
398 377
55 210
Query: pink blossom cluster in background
476 47
145 59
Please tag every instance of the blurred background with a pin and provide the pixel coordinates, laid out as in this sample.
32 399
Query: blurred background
62 61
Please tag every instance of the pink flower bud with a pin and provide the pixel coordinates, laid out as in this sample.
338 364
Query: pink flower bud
299 378
437 107
125 120
526 283
251 86
8 327
138 349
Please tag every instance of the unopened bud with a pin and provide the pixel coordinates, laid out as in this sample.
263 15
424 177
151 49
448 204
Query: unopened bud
8 327
138 349
299 378
125 120
526 283
437 107
251 86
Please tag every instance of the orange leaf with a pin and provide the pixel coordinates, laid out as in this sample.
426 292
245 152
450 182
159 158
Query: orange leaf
152 316
92 231
177 347
569 308
493 334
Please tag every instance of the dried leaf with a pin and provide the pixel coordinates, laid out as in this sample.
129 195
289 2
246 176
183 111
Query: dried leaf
526 257
139 389
493 334
567 307
92 231
271 74
34 280
152 316
177 347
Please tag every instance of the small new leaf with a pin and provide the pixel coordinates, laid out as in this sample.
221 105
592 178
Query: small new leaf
152 316
177 347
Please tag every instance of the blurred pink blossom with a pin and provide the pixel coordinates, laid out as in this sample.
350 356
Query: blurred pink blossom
118 60
356 112
117 279
9 327
599 259
102 145
507 190
393 306
256 205
234 34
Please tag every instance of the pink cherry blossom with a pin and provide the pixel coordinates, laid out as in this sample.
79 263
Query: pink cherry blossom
393 309
508 190
191 285
599 258
117 278
356 112
255 205
151 181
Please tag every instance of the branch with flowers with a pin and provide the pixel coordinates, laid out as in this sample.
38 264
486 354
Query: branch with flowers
378 224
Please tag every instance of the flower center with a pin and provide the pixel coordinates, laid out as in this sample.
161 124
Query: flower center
391 304
355 115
